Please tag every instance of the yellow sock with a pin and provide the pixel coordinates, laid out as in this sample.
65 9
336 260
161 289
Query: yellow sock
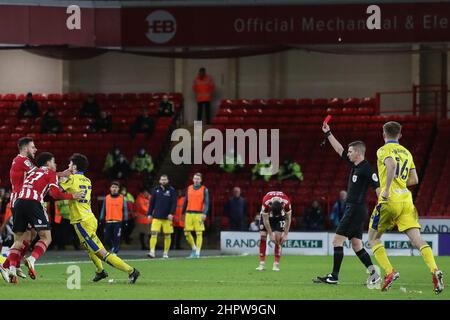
97 262
199 240
153 241
427 255
190 239
167 241
2 259
380 254
118 263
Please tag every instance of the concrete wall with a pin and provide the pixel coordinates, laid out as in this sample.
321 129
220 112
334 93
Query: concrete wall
21 72
290 74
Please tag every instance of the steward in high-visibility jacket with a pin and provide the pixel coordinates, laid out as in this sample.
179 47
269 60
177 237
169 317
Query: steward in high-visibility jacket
196 205
203 88
177 219
114 212
142 220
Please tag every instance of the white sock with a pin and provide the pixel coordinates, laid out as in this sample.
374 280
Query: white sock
197 251
12 270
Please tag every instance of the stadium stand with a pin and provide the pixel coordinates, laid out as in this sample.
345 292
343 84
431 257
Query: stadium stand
433 197
300 136
122 107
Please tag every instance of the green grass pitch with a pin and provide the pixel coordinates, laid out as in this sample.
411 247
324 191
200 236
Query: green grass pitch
229 277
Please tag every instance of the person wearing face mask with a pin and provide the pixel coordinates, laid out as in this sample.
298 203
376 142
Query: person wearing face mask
111 158
142 162
121 169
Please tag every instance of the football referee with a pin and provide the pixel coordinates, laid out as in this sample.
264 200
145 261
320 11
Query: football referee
355 214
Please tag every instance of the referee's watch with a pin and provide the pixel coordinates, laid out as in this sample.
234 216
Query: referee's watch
328 133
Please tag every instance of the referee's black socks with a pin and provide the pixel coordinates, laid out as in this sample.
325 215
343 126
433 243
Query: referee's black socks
337 260
364 257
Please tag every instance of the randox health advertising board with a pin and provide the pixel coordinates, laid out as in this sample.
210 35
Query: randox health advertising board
317 243
299 243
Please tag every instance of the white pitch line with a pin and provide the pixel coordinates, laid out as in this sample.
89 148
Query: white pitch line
139 259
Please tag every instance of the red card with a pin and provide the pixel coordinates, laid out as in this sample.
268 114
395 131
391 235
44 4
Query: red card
327 119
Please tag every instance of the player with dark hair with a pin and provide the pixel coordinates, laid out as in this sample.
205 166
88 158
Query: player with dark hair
85 223
396 208
22 165
351 226
29 211
275 221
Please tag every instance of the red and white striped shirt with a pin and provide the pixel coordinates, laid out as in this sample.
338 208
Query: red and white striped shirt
20 168
39 182
273 196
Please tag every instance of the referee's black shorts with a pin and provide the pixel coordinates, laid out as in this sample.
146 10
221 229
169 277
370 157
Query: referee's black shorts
353 220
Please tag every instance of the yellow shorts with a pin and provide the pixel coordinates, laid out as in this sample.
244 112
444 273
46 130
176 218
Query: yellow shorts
165 224
194 222
86 231
387 215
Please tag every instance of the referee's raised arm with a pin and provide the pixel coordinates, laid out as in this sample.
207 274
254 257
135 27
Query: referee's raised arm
334 143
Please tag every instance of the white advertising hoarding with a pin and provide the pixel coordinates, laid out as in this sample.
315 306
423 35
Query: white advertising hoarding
435 225
299 243
396 244
317 243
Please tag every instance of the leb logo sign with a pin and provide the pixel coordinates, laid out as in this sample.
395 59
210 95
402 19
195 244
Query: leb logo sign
162 26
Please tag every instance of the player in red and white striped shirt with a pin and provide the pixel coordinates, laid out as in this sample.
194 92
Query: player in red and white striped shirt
275 221
30 211
20 167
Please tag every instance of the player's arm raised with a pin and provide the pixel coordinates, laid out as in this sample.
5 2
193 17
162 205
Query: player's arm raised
333 141
390 172
413 179
265 217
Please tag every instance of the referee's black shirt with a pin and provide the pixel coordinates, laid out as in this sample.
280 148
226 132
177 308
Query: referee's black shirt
361 176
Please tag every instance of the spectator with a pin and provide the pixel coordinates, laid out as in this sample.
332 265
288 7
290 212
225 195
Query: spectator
143 124
62 231
121 169
290 170
114 212
338 208
29 108
236 210
129 225
254 225
90 108
6 232
4 199
111 159
231 162
102 124
165 107
50 124
262 171
142 162
178 222
142 220
314 217
203 88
